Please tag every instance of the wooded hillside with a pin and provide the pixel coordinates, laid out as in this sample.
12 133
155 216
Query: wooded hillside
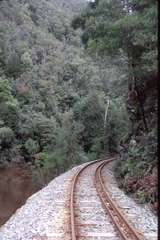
72 88
128 30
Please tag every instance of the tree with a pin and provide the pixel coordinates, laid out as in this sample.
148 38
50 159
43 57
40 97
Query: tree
91 112
8 104
31 146
6 137
129 28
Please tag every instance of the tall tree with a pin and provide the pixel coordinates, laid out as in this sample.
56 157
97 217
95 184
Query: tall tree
127 27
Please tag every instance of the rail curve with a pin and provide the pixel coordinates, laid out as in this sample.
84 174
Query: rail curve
125 230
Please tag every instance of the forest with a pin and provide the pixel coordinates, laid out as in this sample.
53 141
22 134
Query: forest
78 80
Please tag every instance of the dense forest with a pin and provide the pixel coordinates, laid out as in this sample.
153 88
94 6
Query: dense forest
77 81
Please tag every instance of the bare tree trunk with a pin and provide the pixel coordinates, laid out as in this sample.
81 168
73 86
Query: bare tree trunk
105 122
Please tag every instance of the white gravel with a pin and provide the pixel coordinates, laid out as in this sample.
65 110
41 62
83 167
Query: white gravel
140 216
46 213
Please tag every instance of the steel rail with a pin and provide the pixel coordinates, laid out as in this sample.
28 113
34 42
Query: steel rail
73 185
124 228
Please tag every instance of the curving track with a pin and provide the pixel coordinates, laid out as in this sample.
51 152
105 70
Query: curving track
80 229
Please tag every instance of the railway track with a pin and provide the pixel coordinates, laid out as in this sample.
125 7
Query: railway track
114 217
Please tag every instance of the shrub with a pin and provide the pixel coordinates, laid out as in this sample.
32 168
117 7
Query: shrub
78 22
8 104
6 136
32 146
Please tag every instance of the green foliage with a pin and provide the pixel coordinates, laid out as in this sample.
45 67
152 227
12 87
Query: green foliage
37 127
8 104
78 22
66 150
53 96
118 124
5 91
127 32
91 112
31 146
1 123
96 148
9 113
67 146
48 161
136 171
141 158
116 26
141 196
6 136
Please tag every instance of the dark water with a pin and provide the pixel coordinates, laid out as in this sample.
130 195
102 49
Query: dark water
16 185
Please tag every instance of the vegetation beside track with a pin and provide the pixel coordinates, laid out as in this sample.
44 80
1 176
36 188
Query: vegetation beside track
126 31
59 72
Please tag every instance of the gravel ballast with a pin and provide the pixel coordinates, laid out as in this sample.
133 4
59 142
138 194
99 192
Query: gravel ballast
46 213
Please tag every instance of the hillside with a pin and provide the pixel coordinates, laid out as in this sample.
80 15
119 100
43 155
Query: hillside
127 31
78 81
47 82
50 92
42 64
